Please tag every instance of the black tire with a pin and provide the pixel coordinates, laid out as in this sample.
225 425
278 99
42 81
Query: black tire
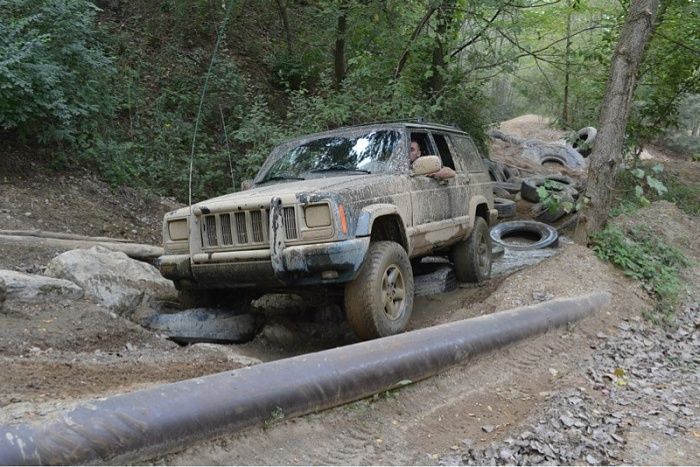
566 156
441 280
495 171
547 215
379 301
509 187
510 173
505 207
203 325
472 257
528 189
541 235
585 137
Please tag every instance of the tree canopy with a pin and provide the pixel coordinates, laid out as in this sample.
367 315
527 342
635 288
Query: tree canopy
118 84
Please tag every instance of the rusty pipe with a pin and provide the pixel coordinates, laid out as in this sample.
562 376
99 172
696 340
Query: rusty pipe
143 424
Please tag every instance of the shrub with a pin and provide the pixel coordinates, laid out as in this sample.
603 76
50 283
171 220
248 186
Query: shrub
53 73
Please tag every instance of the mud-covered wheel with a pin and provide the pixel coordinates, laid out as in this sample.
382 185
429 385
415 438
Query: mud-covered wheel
379 301
472 257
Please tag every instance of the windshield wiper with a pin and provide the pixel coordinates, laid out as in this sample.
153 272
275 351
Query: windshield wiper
340 167
282 177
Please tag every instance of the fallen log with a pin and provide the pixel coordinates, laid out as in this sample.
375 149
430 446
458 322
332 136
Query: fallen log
62 235
133 250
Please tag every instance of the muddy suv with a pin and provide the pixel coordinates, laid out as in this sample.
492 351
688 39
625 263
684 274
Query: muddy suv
341 215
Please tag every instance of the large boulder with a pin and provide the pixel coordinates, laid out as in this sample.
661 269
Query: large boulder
35 288
113 279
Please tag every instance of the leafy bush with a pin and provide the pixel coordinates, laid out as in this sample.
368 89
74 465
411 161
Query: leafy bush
642 256
54 74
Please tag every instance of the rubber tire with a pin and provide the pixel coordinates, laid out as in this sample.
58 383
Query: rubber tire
510 173
546 235
528 189
382 288
472 257
203 325
543 214
505 207
586 136
495 171
509 187
441 280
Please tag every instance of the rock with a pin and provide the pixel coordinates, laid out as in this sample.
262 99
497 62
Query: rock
35 288
118 282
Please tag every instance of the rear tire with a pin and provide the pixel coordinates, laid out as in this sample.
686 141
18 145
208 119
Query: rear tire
472 257
379 301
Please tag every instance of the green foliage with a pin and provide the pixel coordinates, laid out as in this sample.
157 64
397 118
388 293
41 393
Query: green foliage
276 416
54 74
551 200
641 186
642 256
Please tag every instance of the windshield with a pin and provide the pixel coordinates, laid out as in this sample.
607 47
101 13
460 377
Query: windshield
357 153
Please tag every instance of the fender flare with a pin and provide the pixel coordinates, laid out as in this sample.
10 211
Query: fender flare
369 214
490 215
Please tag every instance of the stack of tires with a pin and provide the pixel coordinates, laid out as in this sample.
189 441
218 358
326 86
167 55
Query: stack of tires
561 195
506 183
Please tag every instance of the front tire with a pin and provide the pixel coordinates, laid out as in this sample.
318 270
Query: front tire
379 301
472 257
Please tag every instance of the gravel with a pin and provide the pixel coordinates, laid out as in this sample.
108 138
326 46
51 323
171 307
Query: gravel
645 376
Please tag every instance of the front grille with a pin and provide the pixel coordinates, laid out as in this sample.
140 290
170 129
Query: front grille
290 223
245 228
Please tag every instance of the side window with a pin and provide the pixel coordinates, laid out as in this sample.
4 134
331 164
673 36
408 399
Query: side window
444 151
423 142
469 153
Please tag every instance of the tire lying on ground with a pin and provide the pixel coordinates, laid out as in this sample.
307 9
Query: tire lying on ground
564 155
441 280
548 214
529 186
524 235
506 188
212 325
585 137
505 207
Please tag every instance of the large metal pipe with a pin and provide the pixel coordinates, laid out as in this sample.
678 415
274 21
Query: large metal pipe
142 424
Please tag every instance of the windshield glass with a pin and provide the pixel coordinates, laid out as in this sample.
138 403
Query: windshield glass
357 153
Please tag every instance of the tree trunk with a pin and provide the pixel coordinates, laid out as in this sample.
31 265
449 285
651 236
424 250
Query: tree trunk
607 153
339 55
567 67
285 24
445 15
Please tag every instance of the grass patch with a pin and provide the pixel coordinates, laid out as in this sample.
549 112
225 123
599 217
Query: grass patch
641 255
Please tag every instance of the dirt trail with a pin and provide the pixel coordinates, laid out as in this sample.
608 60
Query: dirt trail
59 354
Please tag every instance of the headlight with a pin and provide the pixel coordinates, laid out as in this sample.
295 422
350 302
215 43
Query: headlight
318 215
177 230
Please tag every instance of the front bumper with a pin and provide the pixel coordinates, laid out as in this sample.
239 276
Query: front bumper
314 264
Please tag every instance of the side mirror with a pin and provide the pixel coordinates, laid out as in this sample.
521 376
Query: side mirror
246 185
426 165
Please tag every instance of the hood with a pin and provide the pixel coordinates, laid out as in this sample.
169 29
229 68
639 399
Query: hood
297 191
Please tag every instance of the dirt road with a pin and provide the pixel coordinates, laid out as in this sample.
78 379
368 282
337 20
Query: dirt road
59 354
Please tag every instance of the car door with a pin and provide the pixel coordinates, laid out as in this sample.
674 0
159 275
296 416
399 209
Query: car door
434 201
